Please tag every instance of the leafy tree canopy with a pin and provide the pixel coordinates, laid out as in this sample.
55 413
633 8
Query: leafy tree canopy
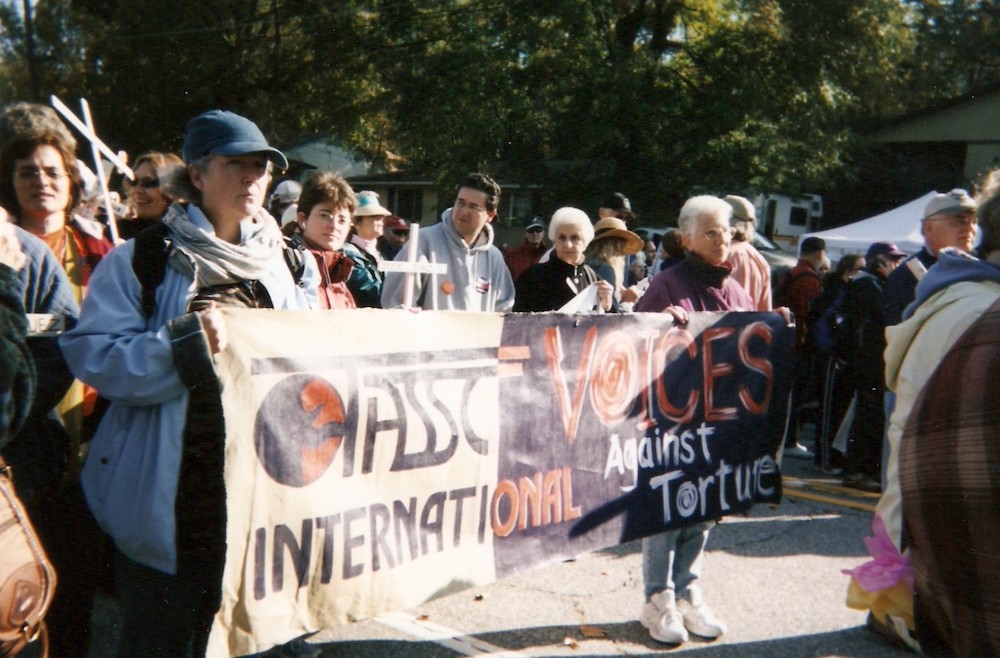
660 98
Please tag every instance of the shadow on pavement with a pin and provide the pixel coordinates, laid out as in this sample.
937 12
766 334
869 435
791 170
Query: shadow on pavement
849 643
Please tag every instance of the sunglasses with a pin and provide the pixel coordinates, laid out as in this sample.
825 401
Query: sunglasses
147 182
400 231
535 229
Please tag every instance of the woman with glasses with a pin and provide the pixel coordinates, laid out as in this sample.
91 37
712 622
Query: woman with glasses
323 222
41 187
672 560
548 286
147 199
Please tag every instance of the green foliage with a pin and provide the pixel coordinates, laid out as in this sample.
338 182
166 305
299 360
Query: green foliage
658 98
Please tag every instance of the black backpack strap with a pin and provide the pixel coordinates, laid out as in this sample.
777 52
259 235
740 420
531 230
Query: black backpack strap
295 258
149 262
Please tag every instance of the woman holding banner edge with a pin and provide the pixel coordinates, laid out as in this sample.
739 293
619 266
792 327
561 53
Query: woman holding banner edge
154 473
672 561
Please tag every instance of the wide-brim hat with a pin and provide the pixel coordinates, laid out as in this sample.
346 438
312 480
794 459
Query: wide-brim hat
613 227
220 132
369 206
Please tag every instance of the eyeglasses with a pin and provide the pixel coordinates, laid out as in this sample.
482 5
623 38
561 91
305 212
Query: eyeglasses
715 234
33 173
461 203
324 216
958 221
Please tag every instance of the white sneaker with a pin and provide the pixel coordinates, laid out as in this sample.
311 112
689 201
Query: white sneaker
798 451
661 618
699 618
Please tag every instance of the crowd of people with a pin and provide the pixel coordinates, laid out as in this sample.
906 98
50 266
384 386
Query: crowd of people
114 425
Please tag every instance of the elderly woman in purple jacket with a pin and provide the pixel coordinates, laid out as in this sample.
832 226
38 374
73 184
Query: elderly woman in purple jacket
672 560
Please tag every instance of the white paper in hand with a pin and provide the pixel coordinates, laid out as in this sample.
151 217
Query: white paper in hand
584 302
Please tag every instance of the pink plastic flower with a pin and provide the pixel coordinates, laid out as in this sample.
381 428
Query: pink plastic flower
888 565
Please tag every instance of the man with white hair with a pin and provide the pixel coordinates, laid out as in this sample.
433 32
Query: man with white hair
949 221
672 560
750 269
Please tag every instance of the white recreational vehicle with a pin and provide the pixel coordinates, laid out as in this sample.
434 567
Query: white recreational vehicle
784 218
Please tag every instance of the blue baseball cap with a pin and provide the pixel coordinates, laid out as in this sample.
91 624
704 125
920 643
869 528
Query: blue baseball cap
220 132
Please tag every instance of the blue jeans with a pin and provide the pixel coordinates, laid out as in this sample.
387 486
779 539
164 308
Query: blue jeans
673 559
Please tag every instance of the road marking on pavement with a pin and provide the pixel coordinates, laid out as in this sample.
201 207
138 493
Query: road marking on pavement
446 637
826 492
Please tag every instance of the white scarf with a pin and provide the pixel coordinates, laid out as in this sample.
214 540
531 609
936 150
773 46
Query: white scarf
210 261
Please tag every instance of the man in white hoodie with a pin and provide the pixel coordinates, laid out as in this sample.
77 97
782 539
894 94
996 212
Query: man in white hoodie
477 279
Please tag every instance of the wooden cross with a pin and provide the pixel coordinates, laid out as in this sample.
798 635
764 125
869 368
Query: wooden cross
410 267
97 147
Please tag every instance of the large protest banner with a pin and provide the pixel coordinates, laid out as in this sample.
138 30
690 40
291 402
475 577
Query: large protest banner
377 459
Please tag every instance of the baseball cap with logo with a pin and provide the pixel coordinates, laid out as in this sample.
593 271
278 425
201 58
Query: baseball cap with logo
950 203
534 222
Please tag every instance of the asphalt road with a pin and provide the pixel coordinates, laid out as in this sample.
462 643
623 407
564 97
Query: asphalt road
774 576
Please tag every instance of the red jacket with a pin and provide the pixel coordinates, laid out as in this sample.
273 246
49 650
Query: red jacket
335 269
796 291
522 257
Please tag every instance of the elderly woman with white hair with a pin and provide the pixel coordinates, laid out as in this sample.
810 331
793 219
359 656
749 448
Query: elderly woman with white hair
548 286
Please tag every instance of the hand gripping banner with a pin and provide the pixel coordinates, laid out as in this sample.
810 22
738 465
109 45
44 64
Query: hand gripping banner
376 459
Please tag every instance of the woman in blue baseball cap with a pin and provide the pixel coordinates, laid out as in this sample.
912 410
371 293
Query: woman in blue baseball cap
146 338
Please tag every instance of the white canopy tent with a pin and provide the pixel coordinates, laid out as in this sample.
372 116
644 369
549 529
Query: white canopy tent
900 225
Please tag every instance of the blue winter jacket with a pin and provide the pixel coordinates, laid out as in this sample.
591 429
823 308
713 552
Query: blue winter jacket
146 367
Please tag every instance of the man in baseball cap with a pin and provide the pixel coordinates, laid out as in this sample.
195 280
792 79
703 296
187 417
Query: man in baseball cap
616 205
285 194
949 220
750 269
394 235
530 251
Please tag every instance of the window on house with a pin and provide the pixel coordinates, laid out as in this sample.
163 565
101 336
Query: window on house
515 208
407 203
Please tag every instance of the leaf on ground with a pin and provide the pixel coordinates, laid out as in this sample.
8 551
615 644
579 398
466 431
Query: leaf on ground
592 632
570 642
